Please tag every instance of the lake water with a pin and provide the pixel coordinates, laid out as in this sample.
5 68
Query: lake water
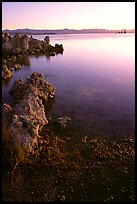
94 80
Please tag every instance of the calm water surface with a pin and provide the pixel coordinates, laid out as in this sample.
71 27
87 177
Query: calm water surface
94 80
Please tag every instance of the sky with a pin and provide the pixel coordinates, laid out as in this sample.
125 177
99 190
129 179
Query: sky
71 15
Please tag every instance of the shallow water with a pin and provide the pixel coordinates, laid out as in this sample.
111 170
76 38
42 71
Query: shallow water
94 80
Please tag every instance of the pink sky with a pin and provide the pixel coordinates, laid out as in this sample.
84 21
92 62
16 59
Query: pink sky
71 15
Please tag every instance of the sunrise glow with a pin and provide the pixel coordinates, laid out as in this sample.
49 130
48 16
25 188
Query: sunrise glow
71 15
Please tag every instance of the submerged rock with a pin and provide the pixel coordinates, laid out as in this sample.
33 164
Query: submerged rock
63 121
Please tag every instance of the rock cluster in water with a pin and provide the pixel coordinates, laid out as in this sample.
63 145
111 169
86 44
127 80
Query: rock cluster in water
21 45
27 117
63 121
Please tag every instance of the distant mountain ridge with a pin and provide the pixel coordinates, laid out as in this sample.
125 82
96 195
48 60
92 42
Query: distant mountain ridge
63 31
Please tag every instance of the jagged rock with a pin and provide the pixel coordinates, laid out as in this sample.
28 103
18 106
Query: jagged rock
6 73
13 58
29 117
7 112
40 87
17 50
9 65
23 44
28 114
17 66
18 89
6 46
35 84
47 40
16 44
59 48
35 44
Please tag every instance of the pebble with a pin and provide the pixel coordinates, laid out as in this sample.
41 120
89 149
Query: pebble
63 197
111 197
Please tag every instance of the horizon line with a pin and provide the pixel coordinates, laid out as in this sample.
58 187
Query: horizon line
69 29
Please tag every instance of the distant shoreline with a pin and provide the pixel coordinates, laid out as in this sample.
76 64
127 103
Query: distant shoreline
12 34
74 33
66 31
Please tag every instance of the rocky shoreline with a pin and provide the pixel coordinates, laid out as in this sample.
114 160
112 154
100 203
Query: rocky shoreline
15 48
42 164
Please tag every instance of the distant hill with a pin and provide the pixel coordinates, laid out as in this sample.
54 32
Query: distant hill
62 31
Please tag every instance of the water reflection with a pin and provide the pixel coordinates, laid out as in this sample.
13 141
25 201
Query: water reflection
26 60
23 60
94 81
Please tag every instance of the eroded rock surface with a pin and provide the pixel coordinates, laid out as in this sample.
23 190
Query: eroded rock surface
6 72
35 84
22 45
27 117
